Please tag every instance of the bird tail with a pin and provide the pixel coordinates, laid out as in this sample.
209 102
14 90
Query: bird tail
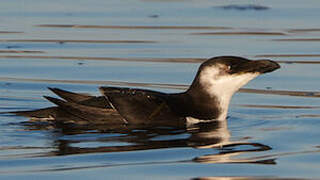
40 113
74 108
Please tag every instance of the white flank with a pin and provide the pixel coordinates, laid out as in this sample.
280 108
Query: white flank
44 119
191 121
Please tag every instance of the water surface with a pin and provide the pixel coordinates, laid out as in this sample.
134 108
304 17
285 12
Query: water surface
272 130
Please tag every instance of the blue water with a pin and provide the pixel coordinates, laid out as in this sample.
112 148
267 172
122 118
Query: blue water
269 141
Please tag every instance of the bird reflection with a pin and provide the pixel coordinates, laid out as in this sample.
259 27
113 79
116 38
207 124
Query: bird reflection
215 135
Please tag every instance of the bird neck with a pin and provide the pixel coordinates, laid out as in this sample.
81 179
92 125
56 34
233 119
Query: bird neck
208 106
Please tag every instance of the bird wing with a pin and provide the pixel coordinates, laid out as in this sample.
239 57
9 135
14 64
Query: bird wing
83 99
87 114
70 96
139 106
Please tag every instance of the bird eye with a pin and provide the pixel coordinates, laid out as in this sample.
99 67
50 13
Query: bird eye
228 69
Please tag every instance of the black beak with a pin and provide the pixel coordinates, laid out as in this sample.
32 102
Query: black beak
258 66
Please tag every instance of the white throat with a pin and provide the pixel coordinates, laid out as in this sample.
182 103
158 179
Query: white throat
222 86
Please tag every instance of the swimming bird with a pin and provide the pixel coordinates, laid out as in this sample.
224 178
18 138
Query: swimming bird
206 99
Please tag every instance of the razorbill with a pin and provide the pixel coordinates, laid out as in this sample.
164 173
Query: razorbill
206 99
